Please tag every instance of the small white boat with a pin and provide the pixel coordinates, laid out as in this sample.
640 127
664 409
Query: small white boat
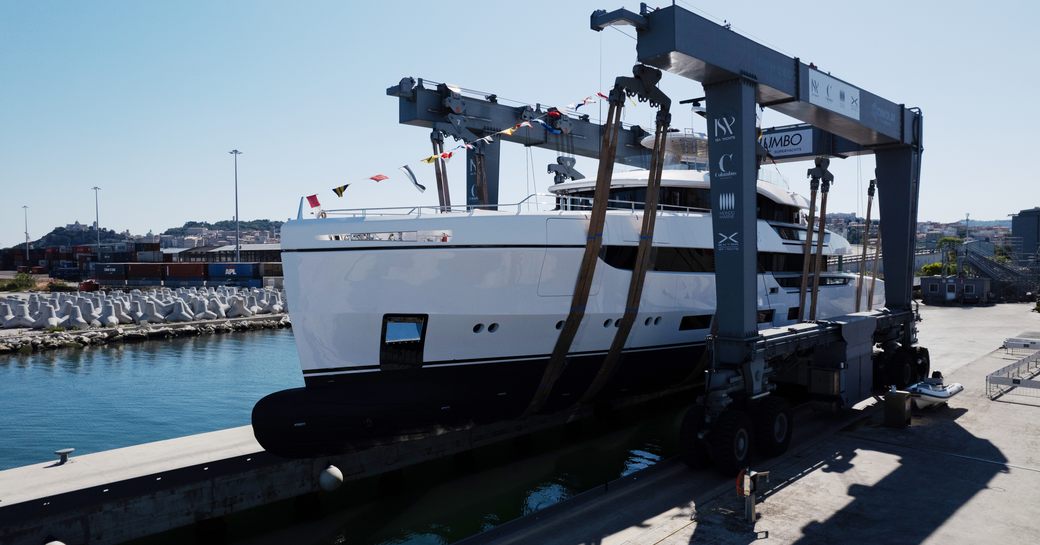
932 391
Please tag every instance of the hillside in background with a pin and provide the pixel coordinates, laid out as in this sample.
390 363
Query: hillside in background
227 225
62 236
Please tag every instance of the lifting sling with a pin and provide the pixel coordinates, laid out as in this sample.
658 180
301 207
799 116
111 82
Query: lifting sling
642 85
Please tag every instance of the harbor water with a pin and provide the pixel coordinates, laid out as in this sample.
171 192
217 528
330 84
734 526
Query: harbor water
100 398
111 396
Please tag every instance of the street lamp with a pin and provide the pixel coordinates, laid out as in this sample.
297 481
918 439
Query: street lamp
97 221
25 208
238 233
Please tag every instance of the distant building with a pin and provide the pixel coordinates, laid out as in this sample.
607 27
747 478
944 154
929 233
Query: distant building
1025 227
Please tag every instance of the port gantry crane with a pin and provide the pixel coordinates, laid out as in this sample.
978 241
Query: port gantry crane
754 375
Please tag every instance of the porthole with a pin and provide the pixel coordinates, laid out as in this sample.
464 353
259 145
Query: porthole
607 322
478 328
657 320
492 328
559 325
617 323
648 321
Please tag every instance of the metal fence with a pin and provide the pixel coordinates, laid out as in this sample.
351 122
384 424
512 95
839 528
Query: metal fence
1015 379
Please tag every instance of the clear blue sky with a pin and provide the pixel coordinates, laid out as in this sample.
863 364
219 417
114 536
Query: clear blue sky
145 98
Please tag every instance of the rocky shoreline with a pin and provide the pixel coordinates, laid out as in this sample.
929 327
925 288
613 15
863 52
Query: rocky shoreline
29 341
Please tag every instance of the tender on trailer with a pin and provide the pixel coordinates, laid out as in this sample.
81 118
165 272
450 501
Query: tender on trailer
931 392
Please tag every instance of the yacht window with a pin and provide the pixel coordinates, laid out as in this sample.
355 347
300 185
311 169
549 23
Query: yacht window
765 316
402 341
695 322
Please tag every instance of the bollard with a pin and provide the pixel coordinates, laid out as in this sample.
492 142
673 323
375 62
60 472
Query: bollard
897 408
748 482
63 455
330 479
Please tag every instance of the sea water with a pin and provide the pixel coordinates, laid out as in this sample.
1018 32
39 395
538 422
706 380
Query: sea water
117 395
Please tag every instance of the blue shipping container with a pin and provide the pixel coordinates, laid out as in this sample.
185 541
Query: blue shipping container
233 270
239 282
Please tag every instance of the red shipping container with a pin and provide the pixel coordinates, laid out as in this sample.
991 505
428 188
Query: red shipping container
184 270
144 270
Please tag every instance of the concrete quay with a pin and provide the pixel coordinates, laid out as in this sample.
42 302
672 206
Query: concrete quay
963 474
123 494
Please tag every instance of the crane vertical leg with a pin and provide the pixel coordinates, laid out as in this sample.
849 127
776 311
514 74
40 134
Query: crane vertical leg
898 171
734 175
482 163
441 173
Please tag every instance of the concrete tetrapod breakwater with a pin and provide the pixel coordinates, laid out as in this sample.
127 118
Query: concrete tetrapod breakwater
42 321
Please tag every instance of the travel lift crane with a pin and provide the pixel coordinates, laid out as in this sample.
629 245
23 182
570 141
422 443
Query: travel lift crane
835 359
841 361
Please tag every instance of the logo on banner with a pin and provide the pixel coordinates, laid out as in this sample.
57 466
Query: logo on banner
725 128
788 143
725 165
727 242
727 206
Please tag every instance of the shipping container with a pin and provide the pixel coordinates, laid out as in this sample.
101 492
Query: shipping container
273 268
110 270
232 270
144 270
111 282
146 246
149 257
184 270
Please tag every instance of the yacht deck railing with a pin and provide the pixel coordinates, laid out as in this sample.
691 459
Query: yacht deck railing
536 202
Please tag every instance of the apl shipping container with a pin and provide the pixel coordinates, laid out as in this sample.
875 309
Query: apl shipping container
232 270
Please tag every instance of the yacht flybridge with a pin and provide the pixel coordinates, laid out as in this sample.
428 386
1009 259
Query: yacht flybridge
407 318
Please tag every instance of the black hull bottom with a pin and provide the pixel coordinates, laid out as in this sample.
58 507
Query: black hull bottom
362 409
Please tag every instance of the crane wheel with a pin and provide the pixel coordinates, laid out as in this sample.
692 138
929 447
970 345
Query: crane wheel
773 425
731 441
692 449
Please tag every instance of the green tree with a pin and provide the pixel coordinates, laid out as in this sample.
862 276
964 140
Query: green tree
932 269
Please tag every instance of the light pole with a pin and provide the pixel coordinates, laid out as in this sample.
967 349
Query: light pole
97 221
25 208
238 233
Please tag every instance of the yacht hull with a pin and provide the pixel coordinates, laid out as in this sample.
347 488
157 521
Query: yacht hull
362 409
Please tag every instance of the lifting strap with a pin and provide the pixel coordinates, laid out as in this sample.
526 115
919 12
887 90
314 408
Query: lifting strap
818 275
863 240
644 86
814 186
594 241
644 262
